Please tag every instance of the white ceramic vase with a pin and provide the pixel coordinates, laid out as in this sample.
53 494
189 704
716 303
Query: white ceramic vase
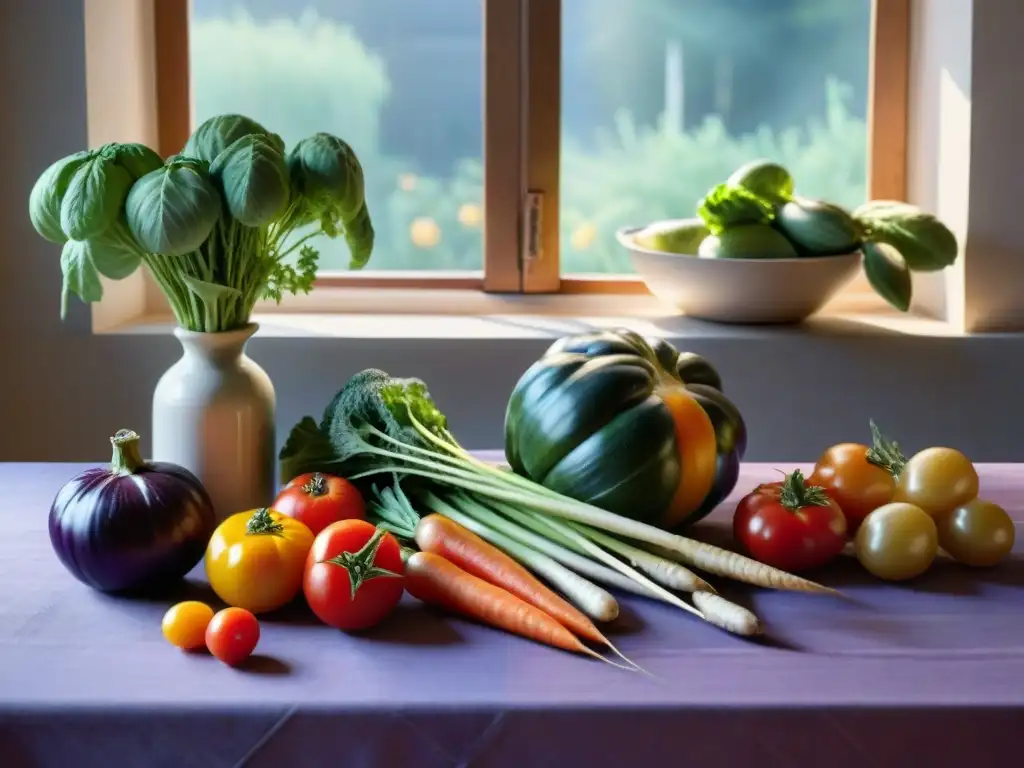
213 413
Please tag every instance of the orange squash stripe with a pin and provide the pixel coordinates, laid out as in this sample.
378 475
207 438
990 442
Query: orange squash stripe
696 444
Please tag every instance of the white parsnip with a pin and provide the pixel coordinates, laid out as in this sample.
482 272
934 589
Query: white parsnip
726 614
668 573
611 561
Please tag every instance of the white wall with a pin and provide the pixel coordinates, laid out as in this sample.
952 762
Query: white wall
63 390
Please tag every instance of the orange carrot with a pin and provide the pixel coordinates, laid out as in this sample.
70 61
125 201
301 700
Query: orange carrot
472 554
437 581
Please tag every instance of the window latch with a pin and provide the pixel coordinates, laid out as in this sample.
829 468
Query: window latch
533 209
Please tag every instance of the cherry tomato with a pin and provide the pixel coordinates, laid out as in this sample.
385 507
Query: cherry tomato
978 533
790 525
897 541
354 575
255 560
319 499
184 624
937 480
232 635
859 486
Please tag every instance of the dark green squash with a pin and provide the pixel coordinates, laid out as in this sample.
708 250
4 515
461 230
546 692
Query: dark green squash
629 425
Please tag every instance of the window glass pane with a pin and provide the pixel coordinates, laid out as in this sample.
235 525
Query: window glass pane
663 99
400 81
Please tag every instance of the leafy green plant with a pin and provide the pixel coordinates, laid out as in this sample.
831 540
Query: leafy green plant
219 226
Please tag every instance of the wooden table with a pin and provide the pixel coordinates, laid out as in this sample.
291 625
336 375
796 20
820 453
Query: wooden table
931 671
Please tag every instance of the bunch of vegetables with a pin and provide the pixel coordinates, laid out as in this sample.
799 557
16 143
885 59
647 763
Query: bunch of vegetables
352 574
390 432
898 511
219 226
757 214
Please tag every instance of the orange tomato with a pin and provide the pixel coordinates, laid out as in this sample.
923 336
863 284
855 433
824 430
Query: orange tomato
857 485
184 624
255 560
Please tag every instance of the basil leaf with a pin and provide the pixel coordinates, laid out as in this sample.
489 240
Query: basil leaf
47 193
137 159
94 197
114 253
925 243
888 274
359 236
253 178
173 210
80 275
218 133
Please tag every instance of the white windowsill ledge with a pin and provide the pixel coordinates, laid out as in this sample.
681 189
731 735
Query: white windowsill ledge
545 326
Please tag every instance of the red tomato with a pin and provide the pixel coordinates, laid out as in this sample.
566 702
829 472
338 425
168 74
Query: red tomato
790 525
858 486
232 635
354 575
318 500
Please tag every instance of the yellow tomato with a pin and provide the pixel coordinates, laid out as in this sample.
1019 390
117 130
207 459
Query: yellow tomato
255 560
184 624
897 541
977 533
938 480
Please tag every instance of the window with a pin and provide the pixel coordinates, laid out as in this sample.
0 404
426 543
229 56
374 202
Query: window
663 99
399 81
453 109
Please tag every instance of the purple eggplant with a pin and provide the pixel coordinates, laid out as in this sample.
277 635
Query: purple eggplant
134 525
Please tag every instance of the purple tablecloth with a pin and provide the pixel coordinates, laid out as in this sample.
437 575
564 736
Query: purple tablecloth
931 671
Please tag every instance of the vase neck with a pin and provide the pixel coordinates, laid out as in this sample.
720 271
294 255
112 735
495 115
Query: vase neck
223 346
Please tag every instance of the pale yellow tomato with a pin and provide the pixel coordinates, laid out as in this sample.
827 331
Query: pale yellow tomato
897 541
937 480
977 533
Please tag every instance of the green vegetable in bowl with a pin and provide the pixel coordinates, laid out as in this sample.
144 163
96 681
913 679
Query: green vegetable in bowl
681 236
748 241
726 206
765 179
818 228
925 243
888 274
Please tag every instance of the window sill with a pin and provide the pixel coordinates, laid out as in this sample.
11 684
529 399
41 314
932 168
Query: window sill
534 318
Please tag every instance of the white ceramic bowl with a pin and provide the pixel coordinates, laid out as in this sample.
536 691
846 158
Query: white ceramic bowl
741 290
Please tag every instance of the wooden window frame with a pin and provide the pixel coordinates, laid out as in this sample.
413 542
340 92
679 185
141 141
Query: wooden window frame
522 46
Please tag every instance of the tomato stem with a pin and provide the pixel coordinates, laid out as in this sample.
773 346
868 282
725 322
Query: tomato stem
360 565
262 523
885 453
126 458
316 486
795 493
